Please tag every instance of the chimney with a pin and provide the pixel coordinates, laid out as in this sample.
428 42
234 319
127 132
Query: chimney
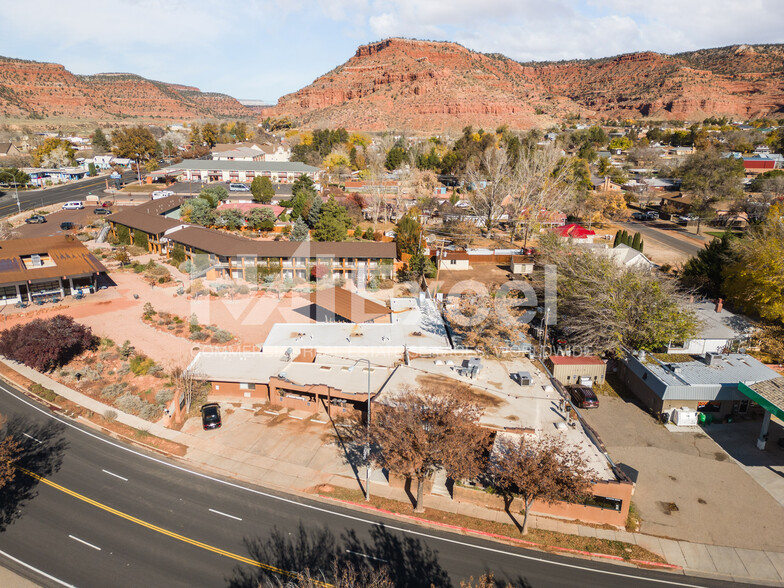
719 305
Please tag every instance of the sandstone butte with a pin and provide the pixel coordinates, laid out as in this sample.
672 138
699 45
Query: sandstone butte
29 88
438 86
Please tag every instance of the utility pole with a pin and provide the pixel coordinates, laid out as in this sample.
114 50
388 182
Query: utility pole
16 194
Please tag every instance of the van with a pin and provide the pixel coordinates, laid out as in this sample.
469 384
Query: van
238 188
161 194
73 205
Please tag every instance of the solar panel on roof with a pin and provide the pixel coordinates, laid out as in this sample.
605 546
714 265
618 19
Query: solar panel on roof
8 265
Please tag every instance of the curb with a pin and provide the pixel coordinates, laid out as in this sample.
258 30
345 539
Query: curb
503 537
54 407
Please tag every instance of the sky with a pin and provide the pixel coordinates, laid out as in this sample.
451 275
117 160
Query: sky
263 49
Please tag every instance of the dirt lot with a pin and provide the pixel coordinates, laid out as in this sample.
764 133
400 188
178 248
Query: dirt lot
687 486
115 313
484 273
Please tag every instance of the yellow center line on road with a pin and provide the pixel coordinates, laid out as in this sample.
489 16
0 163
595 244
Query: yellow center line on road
171 534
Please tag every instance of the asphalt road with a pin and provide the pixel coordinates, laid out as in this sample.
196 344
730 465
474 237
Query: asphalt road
72 191
122 517
662 232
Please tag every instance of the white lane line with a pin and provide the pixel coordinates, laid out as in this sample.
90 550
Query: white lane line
36 570
115 475
31 437
365 555
369 522
225 515
85 543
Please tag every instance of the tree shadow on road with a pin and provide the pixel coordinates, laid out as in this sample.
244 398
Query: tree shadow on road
383 560
41 449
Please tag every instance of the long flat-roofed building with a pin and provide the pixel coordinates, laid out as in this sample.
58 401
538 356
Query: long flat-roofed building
205 170
31 269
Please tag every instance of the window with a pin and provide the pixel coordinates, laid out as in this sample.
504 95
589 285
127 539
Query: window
7 292
247 386
605 503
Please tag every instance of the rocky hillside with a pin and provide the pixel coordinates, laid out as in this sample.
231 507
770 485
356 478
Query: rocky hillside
29 88
422 85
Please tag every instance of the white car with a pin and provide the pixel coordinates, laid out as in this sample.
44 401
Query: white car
238 188
73 205
162 194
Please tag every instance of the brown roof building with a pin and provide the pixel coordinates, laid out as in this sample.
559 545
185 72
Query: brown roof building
339 305
227 255
33 269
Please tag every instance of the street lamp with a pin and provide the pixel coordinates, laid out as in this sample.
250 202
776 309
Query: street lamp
366 452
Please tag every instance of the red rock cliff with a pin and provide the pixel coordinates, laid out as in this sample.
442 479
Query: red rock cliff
422 85
48 89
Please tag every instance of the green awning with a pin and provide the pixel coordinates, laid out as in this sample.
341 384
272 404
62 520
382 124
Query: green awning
768 394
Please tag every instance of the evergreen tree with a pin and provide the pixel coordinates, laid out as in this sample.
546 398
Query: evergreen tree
617 240
407 235
100 142
262 189
636 241
299 232
704 272
314 214
333 223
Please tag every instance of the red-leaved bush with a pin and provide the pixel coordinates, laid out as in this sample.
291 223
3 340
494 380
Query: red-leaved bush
44 344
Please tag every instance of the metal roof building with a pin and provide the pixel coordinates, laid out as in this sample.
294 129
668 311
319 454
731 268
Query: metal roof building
708 383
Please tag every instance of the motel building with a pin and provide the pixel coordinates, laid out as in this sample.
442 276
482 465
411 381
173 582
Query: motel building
205 170
38 270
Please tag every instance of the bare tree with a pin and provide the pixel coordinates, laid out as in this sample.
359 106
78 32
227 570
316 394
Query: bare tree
189 383
539 181
605 306
538 469
492 181
428 429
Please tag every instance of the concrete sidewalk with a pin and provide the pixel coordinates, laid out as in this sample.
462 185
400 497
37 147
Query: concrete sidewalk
697 559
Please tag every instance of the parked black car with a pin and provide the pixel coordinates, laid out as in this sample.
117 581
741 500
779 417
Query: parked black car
211 416
36 219
102 211
67 226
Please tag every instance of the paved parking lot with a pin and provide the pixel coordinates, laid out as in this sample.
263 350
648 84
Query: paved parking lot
688 486
52 228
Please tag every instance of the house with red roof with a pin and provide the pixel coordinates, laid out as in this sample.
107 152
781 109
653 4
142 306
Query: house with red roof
575 231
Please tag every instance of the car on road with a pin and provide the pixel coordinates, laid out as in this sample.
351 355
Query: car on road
162 194
584 397
67 226
36 219
647 215
73 205
233 187
211 416
102 211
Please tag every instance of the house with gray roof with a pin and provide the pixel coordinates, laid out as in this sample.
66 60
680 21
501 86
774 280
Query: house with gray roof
719 330
707 383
